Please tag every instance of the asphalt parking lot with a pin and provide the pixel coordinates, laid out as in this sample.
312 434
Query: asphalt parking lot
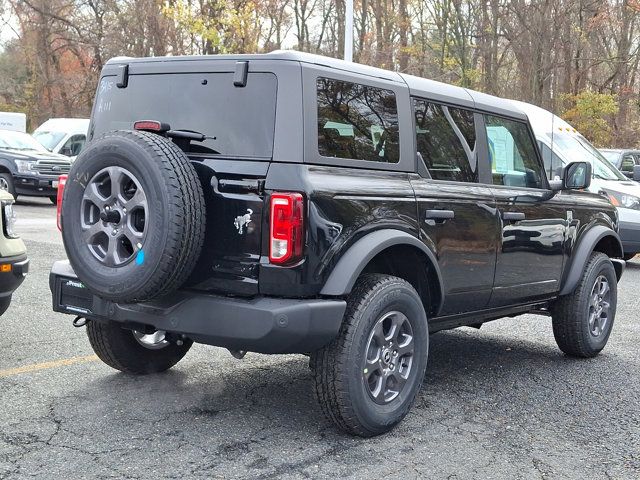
501 402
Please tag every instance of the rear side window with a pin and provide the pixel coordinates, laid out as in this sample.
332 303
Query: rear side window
357 122
512 153
446 141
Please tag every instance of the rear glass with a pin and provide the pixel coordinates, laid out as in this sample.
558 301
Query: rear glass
240 120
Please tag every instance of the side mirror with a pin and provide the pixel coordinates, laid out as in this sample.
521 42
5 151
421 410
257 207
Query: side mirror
636 173
577 176
66 151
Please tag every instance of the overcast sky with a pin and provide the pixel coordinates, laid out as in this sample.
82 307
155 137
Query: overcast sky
7 29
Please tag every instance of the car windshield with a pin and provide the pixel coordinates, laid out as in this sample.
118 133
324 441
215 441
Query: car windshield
576 148
19 141
611 155
49 139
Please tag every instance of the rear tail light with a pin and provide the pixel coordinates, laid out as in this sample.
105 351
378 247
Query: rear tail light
286 237
62 181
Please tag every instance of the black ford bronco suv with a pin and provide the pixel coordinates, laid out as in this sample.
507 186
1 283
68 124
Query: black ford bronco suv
291 203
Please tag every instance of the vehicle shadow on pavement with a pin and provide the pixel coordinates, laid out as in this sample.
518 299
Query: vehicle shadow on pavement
43 203
213 415
276 392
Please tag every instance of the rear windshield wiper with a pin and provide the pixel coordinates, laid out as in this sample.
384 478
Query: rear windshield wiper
191 135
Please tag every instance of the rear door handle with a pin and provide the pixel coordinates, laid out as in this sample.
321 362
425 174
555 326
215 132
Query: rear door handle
513 216
439 214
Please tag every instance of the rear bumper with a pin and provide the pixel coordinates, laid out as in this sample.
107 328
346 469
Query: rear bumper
11 280
630 236
260 324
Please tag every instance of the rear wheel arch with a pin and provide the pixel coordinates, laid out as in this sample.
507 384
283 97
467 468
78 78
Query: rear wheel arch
597 239
392 252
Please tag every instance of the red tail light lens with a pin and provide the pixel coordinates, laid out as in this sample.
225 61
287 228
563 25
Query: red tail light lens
62 181
286 237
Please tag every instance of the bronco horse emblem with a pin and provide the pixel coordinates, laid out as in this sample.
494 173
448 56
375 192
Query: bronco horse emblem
242 221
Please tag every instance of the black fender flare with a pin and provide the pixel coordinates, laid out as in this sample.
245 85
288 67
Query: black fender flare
356 258
581 255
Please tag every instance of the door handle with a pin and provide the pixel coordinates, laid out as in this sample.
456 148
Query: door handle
439 214
513 216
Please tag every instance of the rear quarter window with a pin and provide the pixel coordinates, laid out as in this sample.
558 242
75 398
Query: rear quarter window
357 122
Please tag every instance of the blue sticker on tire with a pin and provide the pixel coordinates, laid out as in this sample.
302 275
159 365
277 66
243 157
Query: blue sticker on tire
140 257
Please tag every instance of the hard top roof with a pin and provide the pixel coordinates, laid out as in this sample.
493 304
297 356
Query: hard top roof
417 85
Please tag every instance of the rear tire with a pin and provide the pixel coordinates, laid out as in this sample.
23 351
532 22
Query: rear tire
119 348
366 388
583 320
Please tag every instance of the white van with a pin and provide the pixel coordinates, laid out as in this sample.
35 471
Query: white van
16 122
561 144
66 136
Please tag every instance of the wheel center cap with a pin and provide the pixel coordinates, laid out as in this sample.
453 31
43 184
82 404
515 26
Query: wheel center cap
386 356
110 216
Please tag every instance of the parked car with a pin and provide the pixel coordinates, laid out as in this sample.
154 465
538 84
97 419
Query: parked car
27 168
291 203
14 263
65 136
624 160
14 121
562 144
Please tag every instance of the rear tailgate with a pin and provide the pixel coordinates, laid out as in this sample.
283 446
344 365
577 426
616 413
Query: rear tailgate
232 162
234 199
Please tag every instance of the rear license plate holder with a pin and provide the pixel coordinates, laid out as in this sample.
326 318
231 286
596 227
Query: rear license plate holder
73 297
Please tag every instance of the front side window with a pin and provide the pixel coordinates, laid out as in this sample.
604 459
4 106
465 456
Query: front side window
73 146
446 141
552 163
512 153
357 122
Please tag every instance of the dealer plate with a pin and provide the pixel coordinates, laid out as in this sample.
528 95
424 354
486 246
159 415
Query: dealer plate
73 296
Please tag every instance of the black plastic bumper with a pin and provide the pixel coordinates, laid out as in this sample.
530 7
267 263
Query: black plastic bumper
35 185
260 324
11 280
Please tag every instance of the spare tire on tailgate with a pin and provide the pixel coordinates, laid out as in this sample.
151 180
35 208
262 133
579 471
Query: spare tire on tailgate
133 216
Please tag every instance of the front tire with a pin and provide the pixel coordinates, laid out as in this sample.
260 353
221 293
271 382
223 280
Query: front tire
133 352
54 199
6 183
367 379
583 320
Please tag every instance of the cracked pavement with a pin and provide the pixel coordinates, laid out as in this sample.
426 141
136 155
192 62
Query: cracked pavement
499 402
